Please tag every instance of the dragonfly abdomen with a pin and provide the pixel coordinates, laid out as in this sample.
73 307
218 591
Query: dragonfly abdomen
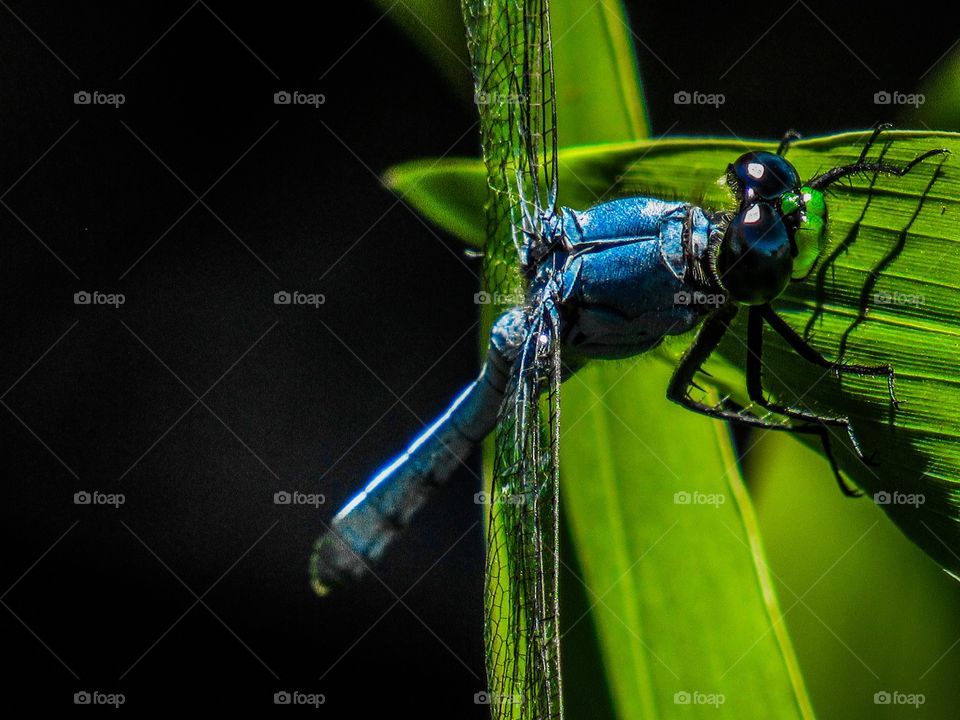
372 519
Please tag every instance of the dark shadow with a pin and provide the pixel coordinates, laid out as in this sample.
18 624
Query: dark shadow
900 466
587 692
827 265
866 292
888 259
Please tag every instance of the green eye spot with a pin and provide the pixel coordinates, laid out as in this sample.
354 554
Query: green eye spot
811 239
814 202
789 202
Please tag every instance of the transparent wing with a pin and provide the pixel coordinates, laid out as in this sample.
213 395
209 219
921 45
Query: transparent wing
521 599
509 47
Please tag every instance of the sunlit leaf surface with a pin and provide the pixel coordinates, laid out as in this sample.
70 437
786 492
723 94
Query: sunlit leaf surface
885 291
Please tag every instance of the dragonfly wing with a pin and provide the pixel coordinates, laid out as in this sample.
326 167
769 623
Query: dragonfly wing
510 51
521 599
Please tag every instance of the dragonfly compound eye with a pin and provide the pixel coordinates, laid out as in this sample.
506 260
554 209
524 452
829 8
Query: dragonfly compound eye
755 259
763 176
805 211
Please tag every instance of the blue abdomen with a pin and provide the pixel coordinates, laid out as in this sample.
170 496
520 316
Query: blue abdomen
630 279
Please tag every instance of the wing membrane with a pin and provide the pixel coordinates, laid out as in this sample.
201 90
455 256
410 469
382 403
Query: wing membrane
509 47
521 599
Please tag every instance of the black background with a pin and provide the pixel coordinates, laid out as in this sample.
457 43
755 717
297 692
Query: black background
107 600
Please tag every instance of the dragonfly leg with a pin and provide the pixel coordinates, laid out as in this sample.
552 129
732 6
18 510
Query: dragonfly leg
703 346
756 318
804 350
879 128
787 140
862 166
706 342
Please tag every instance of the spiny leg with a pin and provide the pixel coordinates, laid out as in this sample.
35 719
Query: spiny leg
703 346
879 128
803 349
755 391
862 166
789 137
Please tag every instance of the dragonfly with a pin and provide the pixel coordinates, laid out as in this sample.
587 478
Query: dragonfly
609 282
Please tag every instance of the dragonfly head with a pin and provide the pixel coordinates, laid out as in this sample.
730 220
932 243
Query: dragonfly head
761 176
777 234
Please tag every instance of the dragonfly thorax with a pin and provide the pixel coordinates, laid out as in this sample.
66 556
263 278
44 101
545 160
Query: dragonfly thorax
630 272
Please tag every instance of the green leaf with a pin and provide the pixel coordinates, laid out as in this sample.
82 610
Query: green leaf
866 610
437 27
672 558
617 493
936 105
678 594
449 193
600 32
885 292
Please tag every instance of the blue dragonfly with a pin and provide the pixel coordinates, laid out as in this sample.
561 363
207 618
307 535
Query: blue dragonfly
608 282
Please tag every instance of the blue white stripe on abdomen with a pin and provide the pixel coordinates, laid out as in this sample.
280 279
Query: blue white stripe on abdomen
371 519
